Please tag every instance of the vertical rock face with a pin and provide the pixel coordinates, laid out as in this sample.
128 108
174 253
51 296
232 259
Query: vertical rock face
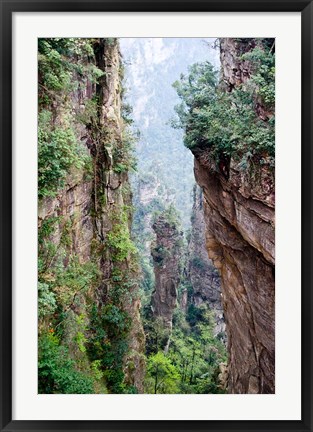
166 256
239 213
204 277
240 243
235 70
93 210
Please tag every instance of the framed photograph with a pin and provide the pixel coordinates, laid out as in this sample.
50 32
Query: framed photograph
156 215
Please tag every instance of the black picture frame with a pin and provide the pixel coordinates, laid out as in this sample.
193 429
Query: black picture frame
7 9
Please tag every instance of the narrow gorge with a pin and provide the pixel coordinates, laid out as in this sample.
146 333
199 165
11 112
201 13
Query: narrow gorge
156 216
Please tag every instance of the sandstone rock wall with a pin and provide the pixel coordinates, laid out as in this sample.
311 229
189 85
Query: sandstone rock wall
204 277
166 255
91 203
239 215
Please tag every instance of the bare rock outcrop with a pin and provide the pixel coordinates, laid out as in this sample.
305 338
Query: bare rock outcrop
166 255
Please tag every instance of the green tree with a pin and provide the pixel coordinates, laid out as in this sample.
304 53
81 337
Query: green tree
229 124
163 377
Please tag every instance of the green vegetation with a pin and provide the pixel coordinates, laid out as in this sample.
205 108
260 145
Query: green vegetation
118 239
64 66
110 323
123 153
229 124
59 61
191 364
163 377
84 323
46 300
198 263
185 359
62 363
107 345
56 370
82 344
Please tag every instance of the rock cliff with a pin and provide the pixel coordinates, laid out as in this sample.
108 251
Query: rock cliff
239 213
92 216
203 276
166 253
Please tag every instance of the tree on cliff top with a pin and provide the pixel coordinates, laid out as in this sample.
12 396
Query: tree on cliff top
229 124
